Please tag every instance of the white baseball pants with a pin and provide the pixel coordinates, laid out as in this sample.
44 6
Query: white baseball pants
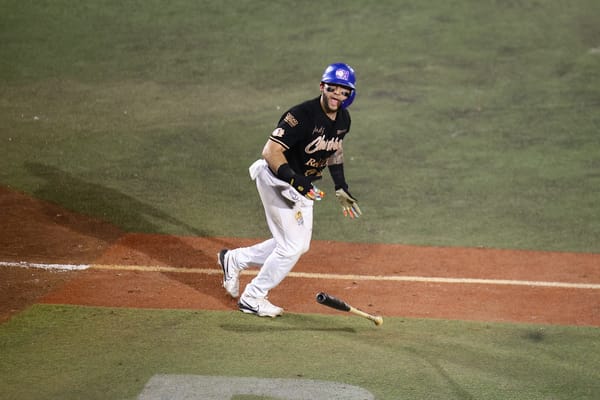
290 219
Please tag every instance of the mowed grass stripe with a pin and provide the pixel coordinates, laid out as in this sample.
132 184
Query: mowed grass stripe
313 275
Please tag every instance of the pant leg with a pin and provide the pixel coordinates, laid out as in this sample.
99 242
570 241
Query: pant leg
290 223
252 256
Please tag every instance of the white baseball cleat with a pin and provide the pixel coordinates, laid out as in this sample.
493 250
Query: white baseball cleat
259 306
231 275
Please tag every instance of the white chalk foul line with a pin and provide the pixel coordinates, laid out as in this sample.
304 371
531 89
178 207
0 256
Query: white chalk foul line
60 267
312 275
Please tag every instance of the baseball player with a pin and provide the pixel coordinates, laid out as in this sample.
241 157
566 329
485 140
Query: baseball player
307 139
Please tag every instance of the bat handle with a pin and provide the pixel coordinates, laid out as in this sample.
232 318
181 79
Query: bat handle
377 320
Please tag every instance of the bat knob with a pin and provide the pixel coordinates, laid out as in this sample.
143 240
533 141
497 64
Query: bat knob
321 297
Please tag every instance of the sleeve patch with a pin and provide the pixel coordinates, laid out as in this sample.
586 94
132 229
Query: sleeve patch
279 132
291 120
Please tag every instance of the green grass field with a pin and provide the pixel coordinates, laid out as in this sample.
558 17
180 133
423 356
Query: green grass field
405 359
476 124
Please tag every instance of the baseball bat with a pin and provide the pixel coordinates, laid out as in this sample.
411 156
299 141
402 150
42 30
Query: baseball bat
338 304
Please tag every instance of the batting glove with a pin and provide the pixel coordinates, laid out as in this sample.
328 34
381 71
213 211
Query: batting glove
304 186
316 193
301 183
349 204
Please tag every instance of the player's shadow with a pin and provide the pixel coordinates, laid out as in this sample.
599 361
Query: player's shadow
291 323
241 328
98 201
129 215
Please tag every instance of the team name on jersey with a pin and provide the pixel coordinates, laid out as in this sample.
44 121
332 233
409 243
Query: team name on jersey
316 163
320 143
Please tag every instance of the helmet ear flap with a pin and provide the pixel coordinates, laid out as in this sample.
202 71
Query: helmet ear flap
346 103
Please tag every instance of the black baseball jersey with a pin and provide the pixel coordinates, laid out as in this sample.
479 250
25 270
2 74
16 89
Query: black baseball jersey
310 137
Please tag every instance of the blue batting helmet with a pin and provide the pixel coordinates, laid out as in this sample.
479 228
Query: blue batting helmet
343 75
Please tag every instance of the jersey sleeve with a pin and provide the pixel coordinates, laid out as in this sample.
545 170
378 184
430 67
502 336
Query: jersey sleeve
290 128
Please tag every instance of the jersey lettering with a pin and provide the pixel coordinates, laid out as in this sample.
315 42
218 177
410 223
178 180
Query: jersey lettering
313 172
318 130
320 143
316 163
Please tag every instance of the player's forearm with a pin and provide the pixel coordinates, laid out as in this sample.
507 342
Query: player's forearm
336 169
273 153
337 157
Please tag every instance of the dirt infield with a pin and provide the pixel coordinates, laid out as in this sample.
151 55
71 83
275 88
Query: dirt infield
181 272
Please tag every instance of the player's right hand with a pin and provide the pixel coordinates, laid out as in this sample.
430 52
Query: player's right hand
303 185
315 193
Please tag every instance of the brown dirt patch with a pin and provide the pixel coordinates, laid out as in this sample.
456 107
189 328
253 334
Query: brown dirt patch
36 231
21 287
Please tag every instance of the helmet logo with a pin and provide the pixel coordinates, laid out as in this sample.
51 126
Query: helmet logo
342 74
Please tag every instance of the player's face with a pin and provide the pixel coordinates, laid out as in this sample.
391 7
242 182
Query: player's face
333 96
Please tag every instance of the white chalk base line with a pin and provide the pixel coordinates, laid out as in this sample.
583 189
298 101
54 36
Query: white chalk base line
308 275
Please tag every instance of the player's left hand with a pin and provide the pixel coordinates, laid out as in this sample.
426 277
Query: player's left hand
349 204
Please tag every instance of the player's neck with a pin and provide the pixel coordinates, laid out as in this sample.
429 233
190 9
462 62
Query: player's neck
332 115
